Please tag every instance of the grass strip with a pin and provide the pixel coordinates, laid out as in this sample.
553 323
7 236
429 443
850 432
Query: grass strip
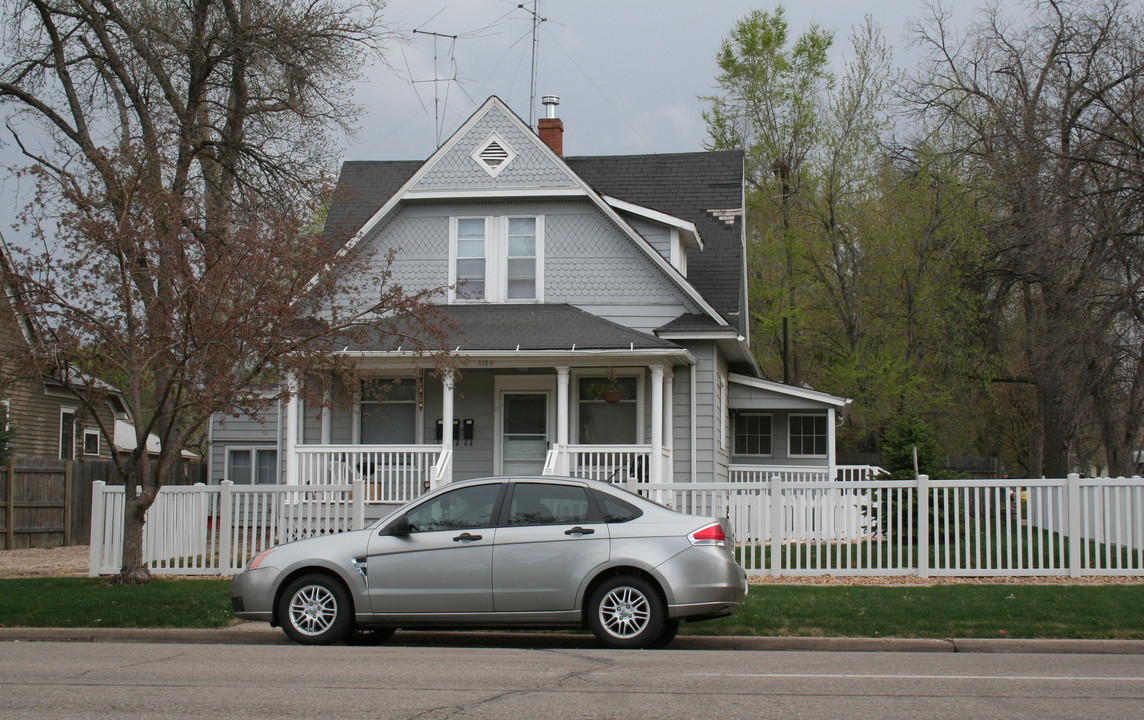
91 602
938 611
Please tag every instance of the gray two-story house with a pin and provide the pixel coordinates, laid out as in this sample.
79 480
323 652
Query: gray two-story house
602 327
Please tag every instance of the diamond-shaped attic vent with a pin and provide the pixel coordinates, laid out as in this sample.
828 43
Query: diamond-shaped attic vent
494 154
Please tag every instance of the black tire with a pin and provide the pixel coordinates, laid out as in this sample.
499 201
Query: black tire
315 610
366 636
626 612
666 635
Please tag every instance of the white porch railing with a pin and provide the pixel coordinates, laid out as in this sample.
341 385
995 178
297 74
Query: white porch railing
795 473
619 464
391 473
216 529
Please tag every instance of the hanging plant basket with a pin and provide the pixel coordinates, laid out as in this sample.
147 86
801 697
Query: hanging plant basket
613 396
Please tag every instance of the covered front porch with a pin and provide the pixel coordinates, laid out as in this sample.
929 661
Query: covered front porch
404 432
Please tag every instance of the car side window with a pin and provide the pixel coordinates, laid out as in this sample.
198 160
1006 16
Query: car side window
467 507
544 504
616 510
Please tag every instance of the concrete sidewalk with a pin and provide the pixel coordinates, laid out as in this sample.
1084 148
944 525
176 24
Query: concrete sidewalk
255 633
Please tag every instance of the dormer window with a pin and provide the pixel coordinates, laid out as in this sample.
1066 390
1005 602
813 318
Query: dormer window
496 259
494 154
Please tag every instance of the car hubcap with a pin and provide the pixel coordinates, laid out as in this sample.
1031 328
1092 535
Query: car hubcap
625 612
313 610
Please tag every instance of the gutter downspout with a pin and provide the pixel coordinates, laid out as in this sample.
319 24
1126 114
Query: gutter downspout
691 371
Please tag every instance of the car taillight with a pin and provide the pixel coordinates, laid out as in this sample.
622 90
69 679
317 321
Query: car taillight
710 535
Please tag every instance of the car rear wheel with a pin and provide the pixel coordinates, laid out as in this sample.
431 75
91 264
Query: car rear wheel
626 612
666 635
315 610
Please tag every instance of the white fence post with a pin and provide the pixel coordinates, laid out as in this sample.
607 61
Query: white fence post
775 495
225 525
1075 540
359 504
923 526
95 555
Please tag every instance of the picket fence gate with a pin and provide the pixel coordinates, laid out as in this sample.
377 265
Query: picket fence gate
971 528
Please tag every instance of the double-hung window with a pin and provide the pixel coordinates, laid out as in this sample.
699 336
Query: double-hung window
752 434
388 412
247 465
808 436
496 259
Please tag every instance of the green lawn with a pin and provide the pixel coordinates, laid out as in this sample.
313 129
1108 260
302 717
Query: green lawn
939 611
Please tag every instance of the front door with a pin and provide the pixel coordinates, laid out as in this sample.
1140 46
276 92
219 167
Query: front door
523 432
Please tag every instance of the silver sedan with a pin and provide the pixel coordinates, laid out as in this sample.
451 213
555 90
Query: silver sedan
516 552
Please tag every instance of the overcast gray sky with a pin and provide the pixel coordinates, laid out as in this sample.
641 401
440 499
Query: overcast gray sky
629 73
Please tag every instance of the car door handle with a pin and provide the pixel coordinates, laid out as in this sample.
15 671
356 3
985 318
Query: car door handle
466 537
579 531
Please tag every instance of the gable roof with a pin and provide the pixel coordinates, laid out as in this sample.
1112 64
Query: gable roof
350 218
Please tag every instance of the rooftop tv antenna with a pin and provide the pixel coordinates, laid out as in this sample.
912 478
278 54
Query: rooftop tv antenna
536 20
437 80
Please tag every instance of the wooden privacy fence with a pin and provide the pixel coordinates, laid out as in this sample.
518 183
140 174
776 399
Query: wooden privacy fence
1075 526
216 529
37 504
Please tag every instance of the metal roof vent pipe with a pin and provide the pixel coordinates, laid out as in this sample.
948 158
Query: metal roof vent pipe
551 128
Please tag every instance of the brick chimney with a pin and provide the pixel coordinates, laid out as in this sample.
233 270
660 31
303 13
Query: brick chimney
551 128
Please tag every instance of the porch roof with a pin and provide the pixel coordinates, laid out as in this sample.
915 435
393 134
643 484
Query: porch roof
512 327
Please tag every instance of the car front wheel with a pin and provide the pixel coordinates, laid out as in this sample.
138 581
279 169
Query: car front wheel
626 612
315 610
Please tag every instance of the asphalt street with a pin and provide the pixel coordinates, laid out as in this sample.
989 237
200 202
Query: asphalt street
548 678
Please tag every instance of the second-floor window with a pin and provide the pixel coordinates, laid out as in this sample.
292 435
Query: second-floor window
496 258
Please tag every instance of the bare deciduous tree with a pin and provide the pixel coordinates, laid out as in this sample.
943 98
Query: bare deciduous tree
181 151
1046 108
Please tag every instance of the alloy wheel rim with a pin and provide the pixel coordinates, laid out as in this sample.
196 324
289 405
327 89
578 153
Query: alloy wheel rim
625 612
313 610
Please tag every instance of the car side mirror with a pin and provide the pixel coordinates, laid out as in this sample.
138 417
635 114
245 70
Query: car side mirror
399 527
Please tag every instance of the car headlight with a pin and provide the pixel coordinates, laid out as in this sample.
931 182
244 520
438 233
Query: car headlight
259 558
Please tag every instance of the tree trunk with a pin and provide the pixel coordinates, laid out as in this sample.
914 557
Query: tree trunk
133 571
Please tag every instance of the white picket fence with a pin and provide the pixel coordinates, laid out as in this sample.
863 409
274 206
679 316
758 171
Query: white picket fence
216 529
1073 526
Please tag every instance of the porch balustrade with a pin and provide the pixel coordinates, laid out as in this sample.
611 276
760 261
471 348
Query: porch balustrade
391 473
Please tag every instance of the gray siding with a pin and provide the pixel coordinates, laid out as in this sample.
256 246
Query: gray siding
588 261
246 430
531 168
658 236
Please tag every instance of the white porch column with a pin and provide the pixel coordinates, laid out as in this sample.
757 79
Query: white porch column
831 460
447 419
327 419
656 422
292 406
562 378
668 472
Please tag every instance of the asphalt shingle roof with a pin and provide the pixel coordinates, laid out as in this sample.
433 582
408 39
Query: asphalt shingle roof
532 327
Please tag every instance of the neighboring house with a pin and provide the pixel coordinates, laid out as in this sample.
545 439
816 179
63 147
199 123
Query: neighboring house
602 307
46 413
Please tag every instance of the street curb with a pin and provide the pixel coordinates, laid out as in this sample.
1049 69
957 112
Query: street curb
254 633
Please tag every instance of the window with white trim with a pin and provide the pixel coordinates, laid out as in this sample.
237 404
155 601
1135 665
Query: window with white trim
90 441
67 434
608 411
247 464
496 259
807 435
753 434
388 412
